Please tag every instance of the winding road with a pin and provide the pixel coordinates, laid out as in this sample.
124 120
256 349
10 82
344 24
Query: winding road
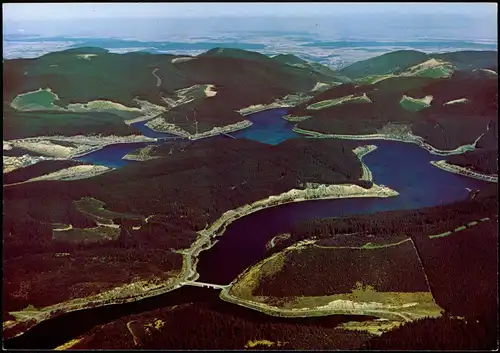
158 79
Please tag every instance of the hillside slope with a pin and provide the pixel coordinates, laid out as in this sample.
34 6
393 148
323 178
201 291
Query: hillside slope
398 61
446 112
78 78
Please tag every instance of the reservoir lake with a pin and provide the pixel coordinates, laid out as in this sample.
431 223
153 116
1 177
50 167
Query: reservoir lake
403 167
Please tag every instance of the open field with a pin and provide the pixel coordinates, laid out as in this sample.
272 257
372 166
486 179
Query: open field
433 68
96 210
42 99
99 234
374 327
415 104
320 86
106 107
372 79
337 101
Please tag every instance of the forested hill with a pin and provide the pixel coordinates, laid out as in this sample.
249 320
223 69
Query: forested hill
398 61
83 74
239 79
213 86
183 191
449 100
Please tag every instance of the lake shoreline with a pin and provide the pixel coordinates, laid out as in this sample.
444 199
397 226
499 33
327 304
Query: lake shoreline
451 168
188 272
406 139
84 144
312 312
164 127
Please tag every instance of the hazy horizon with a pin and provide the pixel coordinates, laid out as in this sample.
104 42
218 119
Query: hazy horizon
334 34
46 11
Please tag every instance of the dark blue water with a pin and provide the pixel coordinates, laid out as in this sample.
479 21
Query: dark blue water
111 156
406 168
268 127
401 166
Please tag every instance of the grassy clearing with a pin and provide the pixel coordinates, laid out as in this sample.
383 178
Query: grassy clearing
380 246
415 104
436 72
210 91
372 79
337 101
68 344
106 107
95 208
195 92
363 300
431 68
363 294
374 327
248 280
86 235
399 306
42 99
320 86
263 343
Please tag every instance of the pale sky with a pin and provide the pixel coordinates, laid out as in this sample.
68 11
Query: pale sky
52 11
